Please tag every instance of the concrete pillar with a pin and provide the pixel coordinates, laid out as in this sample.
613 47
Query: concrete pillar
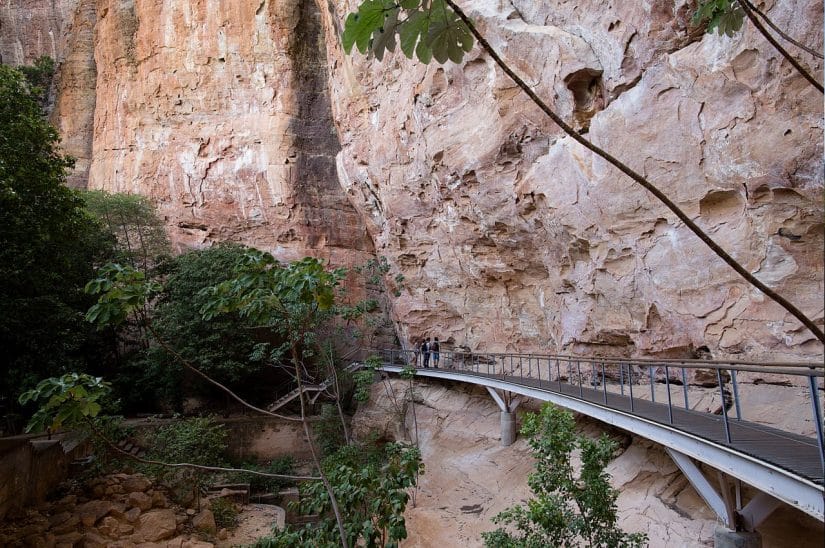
725 538
508 428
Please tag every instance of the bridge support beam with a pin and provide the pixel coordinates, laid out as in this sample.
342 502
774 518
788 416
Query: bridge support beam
725 538
508 415
702 486
508 428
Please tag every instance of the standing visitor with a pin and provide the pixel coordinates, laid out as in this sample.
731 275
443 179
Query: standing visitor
436 348
425 352
416 352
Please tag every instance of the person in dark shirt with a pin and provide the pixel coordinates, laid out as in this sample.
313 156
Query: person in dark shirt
435 349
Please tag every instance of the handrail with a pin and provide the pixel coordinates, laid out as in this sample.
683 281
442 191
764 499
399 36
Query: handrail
613 377
739 365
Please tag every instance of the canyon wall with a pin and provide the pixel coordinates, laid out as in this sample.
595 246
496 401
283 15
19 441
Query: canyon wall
245 121
218 111
512 237
469 477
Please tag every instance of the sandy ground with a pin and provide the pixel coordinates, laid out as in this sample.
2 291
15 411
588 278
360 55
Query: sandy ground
256 521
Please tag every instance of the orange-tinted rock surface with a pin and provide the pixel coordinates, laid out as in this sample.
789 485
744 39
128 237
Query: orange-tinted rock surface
245 121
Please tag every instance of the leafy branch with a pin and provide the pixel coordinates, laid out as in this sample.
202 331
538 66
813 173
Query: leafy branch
727 16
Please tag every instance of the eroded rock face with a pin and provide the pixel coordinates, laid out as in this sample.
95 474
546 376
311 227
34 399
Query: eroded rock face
509 235
513 237
469 478
218 112
64 31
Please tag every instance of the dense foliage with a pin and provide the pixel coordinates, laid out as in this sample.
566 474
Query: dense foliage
371 483
569 509
220 346
49 247
135 225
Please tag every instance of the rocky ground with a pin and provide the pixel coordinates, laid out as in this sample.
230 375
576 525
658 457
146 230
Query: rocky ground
129 511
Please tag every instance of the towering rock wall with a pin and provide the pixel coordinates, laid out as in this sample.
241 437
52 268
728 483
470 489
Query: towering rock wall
220 111
217 110
513 237
510 236
64 31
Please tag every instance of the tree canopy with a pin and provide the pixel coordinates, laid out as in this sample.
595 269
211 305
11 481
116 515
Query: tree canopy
49 247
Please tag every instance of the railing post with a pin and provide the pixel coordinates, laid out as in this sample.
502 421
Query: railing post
652 392
669 403
685 388
621 378
736 394
604 385
630 384
724 410
558 373
817 411
579 372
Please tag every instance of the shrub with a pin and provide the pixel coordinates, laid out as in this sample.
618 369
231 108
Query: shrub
225 512
263 484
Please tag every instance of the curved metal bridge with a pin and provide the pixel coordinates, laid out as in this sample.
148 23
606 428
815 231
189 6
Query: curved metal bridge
651 399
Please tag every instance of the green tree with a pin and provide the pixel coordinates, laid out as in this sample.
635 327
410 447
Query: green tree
134 222
569 509
220 346
39 75
48 249
371 483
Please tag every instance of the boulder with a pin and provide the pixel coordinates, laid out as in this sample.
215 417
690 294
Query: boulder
132 515
140 500
92 511
159 500
136 483
156 525
205 521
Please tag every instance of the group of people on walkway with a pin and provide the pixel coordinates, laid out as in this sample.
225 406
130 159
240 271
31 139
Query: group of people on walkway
426 349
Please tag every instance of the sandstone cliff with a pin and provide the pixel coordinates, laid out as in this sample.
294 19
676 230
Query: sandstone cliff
244 121
513 237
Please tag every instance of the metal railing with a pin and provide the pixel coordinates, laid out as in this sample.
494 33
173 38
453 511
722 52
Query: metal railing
626 379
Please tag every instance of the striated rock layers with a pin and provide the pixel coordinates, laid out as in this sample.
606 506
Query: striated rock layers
513 237
219 111
509 236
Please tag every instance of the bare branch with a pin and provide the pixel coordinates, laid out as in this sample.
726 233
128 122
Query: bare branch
125 453
781 33
746 7
212 381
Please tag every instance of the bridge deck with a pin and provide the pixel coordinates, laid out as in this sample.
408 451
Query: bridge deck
795 453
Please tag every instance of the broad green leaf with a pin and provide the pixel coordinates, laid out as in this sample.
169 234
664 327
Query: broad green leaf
360 26
385 37
447 36
424 52
416 24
